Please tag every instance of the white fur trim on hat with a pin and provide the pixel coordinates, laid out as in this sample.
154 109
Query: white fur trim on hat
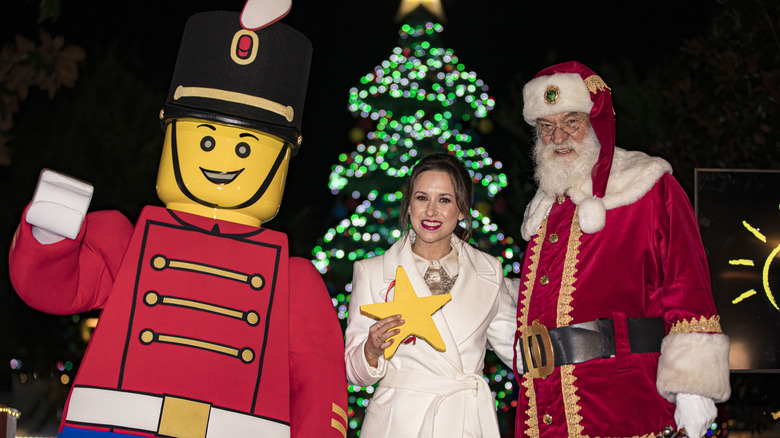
572 95
592 215
694 363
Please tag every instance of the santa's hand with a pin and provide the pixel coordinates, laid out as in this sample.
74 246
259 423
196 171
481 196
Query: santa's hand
58 207
695 413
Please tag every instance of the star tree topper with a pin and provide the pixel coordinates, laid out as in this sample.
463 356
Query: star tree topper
415 311
433 6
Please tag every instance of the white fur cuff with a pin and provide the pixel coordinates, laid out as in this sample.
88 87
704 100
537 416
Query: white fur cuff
694 363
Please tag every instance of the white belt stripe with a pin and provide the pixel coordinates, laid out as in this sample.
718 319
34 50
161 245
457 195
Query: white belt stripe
130 410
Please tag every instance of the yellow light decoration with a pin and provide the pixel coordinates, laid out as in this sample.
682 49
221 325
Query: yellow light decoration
764 271
11 412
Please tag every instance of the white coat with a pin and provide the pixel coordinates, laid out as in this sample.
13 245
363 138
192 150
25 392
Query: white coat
423 392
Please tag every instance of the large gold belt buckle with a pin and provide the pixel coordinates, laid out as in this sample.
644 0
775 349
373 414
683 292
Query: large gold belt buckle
537 351
183 418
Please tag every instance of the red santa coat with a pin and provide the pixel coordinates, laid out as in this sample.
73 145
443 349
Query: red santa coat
647 261
207 325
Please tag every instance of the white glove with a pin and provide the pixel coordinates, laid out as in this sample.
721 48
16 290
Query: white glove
58 207
695 413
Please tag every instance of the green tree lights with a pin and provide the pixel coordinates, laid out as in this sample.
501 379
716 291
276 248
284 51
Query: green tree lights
420 100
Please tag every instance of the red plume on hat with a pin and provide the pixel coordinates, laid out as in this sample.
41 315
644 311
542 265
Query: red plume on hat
571 86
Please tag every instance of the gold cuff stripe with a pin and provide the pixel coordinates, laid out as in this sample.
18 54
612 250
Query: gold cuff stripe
231 96
340 412
702 325
336 424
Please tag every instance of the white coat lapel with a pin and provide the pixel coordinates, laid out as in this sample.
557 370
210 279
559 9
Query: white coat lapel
473 295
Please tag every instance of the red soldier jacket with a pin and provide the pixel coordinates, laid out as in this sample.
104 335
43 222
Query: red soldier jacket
646 262
207 328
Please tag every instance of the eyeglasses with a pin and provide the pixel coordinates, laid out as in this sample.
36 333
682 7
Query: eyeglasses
569 127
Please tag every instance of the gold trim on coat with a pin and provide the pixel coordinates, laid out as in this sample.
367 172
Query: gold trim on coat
527 382
702 325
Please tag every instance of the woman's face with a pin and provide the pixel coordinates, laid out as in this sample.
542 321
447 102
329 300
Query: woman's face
433 212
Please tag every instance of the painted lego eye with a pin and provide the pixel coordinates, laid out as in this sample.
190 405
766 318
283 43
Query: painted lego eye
243 150
207 143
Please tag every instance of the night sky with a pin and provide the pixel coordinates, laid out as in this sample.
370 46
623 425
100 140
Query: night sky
505 42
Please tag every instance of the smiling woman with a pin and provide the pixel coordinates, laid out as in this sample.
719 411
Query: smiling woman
416 377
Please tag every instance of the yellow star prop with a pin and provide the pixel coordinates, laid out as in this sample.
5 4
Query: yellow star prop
407 6
415 311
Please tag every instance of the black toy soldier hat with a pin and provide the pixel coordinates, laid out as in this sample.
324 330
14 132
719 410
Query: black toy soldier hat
251 78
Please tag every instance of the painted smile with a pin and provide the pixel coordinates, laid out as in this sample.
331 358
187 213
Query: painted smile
221 178
430 225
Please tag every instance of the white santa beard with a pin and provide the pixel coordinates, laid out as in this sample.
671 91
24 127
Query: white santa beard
556 174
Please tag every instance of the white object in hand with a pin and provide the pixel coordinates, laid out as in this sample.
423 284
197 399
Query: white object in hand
695 413
58 207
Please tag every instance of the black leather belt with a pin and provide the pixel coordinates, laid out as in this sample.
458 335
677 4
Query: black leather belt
582 342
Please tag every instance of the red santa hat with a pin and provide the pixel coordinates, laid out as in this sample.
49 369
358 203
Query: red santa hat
568 87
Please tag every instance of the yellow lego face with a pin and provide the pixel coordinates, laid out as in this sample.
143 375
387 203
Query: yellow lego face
222 171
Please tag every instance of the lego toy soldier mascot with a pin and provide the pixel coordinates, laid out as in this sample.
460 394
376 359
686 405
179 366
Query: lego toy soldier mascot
208 328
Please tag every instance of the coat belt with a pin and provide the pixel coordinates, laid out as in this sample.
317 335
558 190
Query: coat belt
449 390
165 415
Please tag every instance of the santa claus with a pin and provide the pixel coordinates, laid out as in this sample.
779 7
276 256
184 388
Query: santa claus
617 332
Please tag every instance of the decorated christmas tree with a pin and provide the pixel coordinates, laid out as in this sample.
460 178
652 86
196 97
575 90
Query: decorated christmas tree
418 101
